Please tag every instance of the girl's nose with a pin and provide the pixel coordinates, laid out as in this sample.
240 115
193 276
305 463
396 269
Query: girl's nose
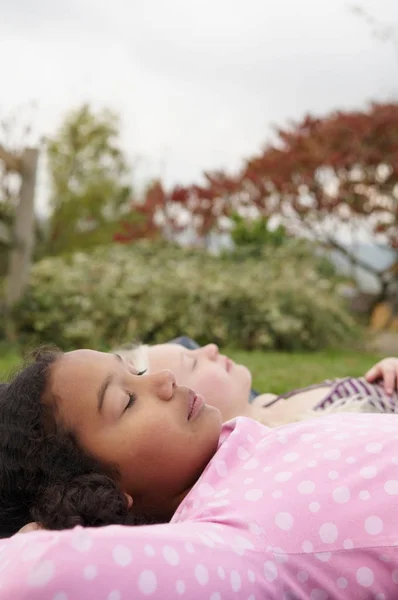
211 350
165 384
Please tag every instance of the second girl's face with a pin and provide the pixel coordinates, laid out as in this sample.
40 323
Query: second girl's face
223 383
159 435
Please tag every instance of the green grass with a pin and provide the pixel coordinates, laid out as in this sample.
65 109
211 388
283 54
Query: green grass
10 359
279 372
275 372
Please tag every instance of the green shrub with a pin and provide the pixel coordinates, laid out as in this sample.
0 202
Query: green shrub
156 292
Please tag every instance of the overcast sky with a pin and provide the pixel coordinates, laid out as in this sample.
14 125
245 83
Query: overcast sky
198 83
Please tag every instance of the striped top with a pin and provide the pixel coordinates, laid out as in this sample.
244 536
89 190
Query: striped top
353 393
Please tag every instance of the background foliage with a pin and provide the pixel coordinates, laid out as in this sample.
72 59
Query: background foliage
158 291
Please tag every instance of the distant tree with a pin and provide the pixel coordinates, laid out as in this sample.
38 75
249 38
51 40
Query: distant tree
251 236
90 182
325 174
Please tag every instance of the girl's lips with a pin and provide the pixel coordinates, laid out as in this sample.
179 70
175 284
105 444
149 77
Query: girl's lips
228 364
195 404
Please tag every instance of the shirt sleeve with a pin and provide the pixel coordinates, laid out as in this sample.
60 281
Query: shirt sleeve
194 560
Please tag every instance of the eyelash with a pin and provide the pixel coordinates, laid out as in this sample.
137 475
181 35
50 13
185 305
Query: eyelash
133 397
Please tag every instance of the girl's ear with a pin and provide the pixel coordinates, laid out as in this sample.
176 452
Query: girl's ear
129 500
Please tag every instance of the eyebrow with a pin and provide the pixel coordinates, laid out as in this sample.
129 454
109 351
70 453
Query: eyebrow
104 386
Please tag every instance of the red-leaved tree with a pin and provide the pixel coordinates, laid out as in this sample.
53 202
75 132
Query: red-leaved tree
333 177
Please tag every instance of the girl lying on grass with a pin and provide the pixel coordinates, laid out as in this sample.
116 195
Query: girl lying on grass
308 510
226 385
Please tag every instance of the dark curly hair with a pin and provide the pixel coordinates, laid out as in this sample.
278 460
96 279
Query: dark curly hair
44 475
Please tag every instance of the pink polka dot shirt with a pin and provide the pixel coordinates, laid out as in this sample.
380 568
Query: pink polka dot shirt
305 511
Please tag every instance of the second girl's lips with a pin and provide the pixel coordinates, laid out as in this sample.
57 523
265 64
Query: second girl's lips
195 404
228 364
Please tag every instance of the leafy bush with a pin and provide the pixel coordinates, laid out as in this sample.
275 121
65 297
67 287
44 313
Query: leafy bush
156 292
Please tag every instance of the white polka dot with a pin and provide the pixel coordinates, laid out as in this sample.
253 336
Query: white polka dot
81 541
332 454
323 556
147 582
391 487
333 475
384 557
328 533
307 547
306 487
254 528
214 536
395 576
351 460
365 577
253 495
122 555
201 574
205 490
282 439
219 503
251 576
315 507
317 446
302 576
277 494
207 541
318 594
243 454
41 574
33 551
284 521
267 469
248 480
307 437
149 550
291 457
180 586
374 448
270 571
221 468
215 596
60 596
235 580
222 493
90 572
283 476
189 547
394 460
348 544
364 495
221 572
340 436
341 495
380 596
114 595
251 464
312 463
368 472
279 555
171 556
373 525
342 583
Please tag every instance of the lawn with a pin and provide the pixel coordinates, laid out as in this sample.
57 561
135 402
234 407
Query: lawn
278 372
274 372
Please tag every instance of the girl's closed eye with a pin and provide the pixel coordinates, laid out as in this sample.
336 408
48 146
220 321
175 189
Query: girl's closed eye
133 397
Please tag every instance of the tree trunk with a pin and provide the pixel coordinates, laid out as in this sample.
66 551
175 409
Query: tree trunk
23 232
